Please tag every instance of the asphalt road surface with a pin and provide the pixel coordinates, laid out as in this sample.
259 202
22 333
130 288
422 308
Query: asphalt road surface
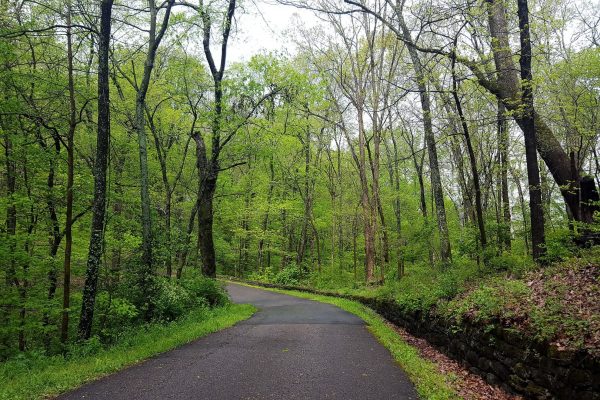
290 349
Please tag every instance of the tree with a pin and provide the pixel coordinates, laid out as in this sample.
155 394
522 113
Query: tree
100 167
538 231
434 169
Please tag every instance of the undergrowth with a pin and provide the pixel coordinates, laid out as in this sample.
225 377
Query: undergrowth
553 304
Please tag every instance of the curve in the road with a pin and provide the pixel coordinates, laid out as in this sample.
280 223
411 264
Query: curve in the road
290 349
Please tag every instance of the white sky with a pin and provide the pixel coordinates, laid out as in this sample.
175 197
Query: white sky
262 26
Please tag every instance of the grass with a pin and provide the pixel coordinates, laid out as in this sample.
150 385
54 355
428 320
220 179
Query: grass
430 383
41 377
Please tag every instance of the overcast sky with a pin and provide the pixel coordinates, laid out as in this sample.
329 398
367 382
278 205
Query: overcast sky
263 26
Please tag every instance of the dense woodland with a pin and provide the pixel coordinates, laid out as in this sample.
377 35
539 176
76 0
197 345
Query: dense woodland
399 142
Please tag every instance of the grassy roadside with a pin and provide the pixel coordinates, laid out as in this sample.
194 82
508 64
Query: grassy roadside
429 383
42 377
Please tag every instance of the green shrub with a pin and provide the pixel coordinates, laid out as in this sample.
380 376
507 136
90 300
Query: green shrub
205 291
559 245
175 298
291 275
266 275
489 302
171 300
510 262
115 311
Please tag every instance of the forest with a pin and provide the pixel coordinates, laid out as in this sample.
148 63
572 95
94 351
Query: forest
442 153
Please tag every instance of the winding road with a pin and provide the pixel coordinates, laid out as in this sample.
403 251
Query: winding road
290 349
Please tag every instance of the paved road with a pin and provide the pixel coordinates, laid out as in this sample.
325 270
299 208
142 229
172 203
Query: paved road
291 349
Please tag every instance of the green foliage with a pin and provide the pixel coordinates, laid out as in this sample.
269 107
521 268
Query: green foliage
510 262
291 275
173 299
426 287
552 320
206 290
559 245
487 303
115 313
265 275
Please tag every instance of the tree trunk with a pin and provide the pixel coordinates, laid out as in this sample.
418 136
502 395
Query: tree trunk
243 250
472 159
55 235
205 230
307 197
64 329
508 90
436 181
100 167
265 221
208 170
169 260
284 235
146 271
207 182
517 180
528 125
369 216
354 253
374 161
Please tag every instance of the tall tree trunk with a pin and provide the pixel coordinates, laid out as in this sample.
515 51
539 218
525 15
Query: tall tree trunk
507 88
245 225
55 235
118 165
265 221
64 328
368 208
463 181
205 230
374 161
11 224
457 153
100 167
436 181
354 252
168 205
317 244
207 182
155 37
284 235
472 159
24 285
422 198
208 169
307 197
168 192
528 125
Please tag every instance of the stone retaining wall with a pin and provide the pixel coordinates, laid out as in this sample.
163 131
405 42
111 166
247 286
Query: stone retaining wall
504 357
